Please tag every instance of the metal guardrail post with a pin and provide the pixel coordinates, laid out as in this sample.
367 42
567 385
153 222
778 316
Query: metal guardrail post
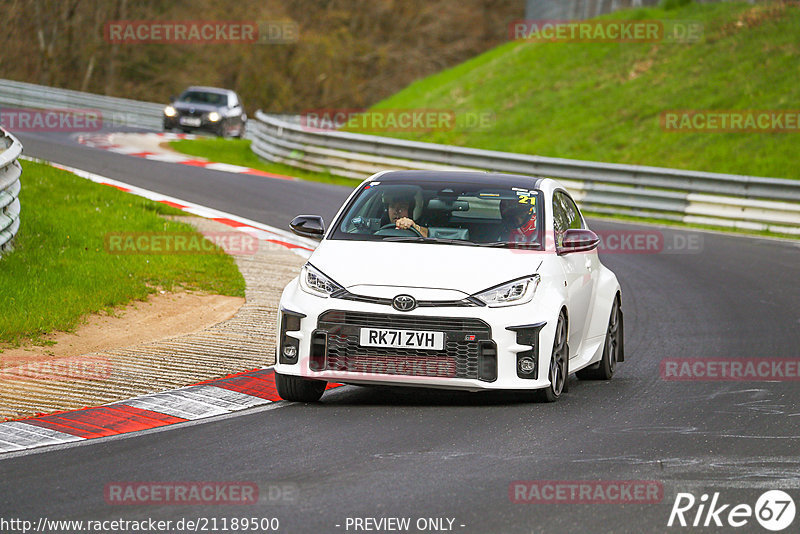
10 172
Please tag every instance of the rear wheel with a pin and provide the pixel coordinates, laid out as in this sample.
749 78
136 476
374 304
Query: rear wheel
298 389
558 369
612 350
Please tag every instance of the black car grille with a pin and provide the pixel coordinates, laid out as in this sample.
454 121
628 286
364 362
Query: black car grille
465 340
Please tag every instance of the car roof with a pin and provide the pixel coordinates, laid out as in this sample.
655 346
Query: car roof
474 177
204 89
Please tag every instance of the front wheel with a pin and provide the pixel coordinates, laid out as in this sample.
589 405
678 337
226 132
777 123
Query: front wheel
558 370
298 389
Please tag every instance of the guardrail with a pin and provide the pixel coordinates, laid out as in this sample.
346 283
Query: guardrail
741 202
10 172
115 111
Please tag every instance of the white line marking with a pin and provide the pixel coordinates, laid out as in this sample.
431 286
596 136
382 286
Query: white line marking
169 158
226 167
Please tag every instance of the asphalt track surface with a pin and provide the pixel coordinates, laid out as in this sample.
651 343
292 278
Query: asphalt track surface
393 452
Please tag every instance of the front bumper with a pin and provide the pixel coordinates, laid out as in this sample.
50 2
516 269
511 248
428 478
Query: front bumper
203 126
484 349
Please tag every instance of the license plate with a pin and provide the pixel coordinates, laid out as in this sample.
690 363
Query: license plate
190 121
401 339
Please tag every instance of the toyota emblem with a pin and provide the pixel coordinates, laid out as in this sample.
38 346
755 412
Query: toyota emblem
404 303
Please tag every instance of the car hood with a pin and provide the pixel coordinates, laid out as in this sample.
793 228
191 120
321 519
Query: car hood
186 106
468 269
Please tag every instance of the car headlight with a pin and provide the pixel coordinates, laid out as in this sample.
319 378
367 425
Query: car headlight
169 111
518 291
312 281
213 116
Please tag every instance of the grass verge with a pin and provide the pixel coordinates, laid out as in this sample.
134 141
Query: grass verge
237 152
603 101
60 271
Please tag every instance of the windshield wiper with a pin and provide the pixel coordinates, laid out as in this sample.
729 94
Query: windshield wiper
403 238
496 244
502 244
418 239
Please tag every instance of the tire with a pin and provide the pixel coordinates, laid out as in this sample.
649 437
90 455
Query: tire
558 368
298 389
612 349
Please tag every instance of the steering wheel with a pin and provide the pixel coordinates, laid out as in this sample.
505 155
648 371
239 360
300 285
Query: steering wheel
386 229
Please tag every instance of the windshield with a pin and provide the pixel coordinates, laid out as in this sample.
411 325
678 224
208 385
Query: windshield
202 97
442 212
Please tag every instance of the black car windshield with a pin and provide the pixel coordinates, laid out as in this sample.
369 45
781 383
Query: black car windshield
203 97
472 214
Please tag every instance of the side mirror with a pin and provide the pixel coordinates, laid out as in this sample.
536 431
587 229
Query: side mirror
308 226
578 240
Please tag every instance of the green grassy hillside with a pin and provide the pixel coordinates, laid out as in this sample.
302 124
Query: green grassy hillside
603 101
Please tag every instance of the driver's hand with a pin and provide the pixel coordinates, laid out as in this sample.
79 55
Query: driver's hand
404 223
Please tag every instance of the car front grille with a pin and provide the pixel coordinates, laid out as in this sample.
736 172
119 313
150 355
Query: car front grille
187 113
466 340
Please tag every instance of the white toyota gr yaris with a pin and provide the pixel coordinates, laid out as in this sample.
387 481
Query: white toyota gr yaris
457 280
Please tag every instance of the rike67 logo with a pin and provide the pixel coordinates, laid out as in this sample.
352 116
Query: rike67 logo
774 510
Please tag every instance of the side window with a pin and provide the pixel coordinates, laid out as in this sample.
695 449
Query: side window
572 212
560 223
566 216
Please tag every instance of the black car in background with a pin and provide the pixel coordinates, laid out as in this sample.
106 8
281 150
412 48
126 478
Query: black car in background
206 109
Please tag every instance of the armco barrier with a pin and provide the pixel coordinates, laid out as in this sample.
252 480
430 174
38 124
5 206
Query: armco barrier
115 111
10 172
742 202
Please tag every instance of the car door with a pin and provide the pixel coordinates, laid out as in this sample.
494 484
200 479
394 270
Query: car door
580 269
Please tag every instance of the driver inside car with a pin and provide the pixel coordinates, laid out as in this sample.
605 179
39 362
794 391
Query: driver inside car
519 221
399 210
